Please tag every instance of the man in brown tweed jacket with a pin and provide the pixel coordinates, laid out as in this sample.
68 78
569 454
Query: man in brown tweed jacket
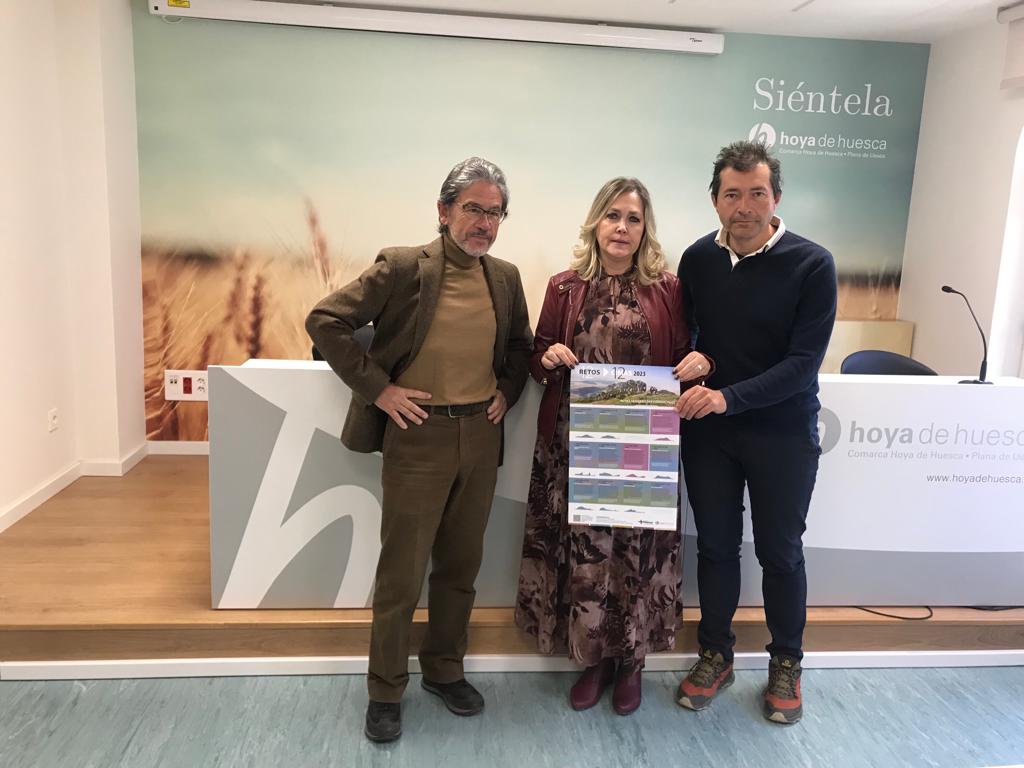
447 360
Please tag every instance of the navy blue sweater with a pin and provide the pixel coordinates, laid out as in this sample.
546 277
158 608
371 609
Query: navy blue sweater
765 323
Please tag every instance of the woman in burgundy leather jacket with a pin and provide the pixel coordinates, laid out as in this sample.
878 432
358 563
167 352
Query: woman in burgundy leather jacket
607 596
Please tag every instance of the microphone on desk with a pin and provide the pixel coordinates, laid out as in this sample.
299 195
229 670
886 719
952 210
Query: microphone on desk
984 343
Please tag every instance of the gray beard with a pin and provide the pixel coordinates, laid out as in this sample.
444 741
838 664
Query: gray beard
472 251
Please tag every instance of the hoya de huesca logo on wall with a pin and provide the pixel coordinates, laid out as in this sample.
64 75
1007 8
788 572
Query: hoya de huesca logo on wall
850 108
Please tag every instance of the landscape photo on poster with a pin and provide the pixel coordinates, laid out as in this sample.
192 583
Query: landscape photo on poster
623 446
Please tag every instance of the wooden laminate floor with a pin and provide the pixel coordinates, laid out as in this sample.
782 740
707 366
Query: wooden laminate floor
116 568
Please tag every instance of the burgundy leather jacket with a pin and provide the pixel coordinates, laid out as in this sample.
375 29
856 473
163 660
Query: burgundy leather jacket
661 304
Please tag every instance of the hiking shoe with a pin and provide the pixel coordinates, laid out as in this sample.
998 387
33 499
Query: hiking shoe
705 679
383 721
782 702
460 697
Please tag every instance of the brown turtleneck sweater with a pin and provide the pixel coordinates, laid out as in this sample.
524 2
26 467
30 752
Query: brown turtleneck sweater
456 363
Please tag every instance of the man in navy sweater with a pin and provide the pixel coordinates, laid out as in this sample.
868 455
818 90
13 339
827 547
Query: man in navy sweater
761 301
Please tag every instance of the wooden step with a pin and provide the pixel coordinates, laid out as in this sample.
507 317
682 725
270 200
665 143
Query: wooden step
118 568
492 631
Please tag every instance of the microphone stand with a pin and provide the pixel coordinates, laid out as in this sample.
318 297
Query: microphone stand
984 343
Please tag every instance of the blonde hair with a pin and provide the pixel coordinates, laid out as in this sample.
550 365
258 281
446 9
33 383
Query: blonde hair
649 259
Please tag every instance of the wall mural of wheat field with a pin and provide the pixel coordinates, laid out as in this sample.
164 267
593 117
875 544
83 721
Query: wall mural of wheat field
275 162
203 307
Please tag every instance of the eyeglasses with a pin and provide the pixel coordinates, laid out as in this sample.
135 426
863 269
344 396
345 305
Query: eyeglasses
493 215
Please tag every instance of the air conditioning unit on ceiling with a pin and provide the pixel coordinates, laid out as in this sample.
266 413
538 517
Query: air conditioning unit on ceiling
442 24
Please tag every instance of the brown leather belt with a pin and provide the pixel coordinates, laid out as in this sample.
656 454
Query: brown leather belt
456 411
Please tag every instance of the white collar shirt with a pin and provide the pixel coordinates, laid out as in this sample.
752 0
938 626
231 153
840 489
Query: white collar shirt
722 241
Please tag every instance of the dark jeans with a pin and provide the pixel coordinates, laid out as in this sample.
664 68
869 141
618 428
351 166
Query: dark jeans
720 455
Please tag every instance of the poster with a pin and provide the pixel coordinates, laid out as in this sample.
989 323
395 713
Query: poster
623 446
269 177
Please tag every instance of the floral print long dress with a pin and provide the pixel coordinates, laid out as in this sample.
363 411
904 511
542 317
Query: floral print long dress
595 592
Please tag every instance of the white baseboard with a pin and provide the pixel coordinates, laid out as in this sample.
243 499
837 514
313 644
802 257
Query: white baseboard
33 499
114 468
356 665
128 463
66 477
178 447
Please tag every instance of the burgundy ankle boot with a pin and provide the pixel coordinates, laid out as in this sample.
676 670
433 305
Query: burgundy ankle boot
591 684
626 696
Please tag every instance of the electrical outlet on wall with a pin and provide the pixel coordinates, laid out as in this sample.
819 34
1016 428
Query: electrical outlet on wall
185 385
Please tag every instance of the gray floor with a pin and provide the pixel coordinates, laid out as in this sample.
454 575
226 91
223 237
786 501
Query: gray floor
908 717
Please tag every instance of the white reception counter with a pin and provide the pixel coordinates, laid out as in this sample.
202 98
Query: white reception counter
919 498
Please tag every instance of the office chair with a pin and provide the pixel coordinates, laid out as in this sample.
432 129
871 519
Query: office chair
878 361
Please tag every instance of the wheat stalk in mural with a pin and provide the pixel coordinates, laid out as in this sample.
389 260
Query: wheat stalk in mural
232 311
318 249
257 312
160 413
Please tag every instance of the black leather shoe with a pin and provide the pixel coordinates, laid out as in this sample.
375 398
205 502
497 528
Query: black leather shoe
383 721
460 697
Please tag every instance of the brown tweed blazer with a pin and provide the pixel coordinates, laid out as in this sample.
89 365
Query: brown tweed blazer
398 294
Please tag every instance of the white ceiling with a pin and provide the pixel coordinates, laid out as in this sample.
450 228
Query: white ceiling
902 20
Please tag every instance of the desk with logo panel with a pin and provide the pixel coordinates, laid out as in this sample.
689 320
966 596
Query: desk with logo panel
919 498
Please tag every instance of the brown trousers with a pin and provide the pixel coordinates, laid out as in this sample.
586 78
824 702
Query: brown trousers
438 486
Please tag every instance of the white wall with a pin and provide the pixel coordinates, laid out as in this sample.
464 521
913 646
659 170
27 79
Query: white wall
70 314
960 202
1006 346
36 312
101 161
